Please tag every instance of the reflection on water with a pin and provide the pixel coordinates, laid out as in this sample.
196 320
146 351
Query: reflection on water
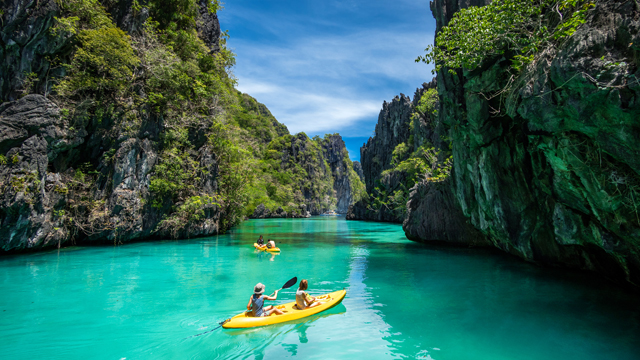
404 300
263 255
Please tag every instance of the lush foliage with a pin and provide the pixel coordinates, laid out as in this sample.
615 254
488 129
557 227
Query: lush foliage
103 64
518 29
409 167
427 104
218 151
235 173
292 172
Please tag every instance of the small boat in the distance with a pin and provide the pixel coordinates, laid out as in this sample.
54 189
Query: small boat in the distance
330 213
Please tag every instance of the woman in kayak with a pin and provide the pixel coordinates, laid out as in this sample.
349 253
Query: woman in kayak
256 302
260 241
271 244
303 300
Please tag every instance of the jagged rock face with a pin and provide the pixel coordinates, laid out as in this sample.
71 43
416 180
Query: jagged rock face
334 153
300 152
322 167
433 216
31 133
35 198
553 178
26 46
126 17
46 201
208 27
357 167
261 212
393 128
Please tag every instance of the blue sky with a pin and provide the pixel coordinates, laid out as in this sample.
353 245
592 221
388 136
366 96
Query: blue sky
326 66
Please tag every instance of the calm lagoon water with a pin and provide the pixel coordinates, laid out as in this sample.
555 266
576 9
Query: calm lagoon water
404 300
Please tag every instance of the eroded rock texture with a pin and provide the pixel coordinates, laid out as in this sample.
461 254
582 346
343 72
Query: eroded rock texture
551 174
334 153
397 123
325 183
45 196
27 47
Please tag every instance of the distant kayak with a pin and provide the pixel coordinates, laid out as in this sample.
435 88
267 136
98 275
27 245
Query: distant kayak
247 320
330 213
264 248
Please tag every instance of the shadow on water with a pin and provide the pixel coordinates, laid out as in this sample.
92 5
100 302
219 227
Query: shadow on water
266 256
279 331
300 325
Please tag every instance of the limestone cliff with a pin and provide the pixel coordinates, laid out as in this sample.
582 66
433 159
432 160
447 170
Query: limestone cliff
144 140
335 152
324 177
401 125
551 173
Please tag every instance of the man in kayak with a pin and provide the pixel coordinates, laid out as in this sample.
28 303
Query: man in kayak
256 302
303 300
260 241
271 244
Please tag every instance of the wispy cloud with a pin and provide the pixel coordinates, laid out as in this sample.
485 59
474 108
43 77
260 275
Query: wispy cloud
326 67
310 112
330 84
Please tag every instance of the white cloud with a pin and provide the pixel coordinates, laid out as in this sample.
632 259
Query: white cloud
331 83
310 112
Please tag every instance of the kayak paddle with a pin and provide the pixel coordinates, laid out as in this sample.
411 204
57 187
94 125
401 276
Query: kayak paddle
288 284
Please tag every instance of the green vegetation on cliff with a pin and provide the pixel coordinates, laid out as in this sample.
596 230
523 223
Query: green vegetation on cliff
413 160
539 100
166 73
140 132
292 171
517 29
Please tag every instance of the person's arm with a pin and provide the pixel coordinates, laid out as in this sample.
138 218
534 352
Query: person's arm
249 304
308 299
274 297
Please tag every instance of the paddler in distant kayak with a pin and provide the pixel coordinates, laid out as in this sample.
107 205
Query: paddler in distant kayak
256 302
303 300
260 241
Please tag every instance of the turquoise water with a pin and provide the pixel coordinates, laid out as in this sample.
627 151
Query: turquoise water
404 300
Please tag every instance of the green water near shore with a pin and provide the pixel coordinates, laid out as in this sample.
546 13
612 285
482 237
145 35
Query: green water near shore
404 300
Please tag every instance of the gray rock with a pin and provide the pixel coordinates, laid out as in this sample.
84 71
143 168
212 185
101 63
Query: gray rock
208 26
261 212
31 134
357 167
434 216
553 178
28 46
393 128
335 152
279 213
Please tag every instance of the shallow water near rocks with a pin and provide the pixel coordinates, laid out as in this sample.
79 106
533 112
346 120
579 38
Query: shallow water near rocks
404 300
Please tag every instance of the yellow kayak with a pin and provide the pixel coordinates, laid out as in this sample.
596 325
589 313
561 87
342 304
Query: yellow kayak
247 320
264 248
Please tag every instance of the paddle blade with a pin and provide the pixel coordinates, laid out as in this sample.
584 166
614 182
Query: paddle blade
290 283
